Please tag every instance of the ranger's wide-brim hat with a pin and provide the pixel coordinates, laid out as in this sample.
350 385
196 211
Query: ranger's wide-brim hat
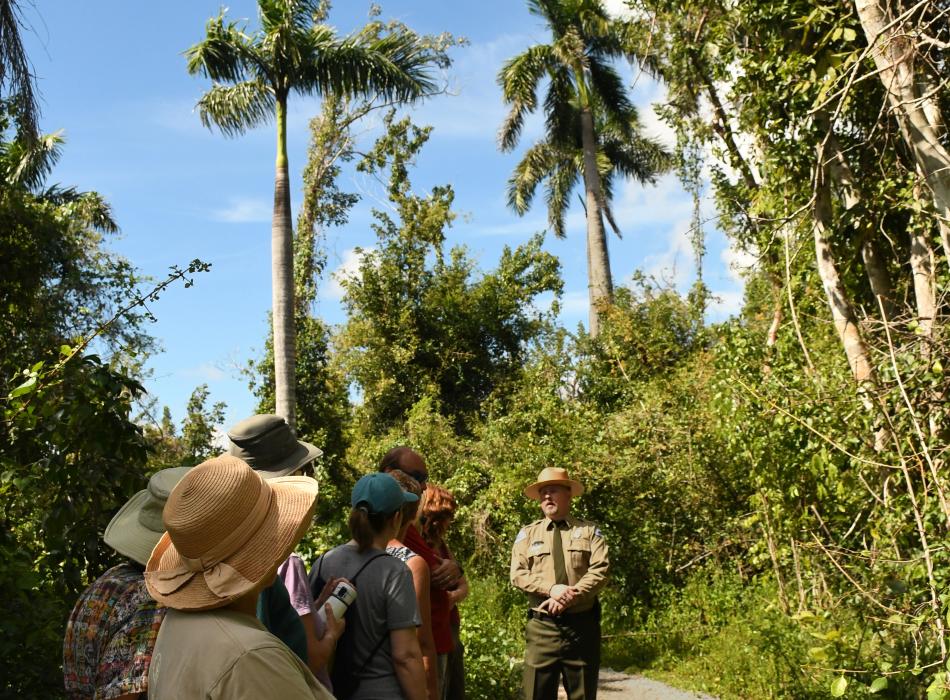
227 529
553 475
269 446
137 527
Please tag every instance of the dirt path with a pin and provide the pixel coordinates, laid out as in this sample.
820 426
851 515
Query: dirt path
621 686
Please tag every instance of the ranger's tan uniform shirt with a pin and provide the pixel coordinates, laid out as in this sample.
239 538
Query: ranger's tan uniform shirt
585 558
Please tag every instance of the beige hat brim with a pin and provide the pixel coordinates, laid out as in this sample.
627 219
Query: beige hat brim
126 535
531 491
288 518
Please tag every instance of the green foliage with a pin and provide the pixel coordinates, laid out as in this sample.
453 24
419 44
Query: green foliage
422 322
492 633
647 332
198 428
71 456
722 634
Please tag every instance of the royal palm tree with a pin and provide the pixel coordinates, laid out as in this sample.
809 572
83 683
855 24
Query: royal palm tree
17 84
591 126
253 75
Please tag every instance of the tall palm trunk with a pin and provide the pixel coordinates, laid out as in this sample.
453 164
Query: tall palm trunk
599 283
919 117
282 273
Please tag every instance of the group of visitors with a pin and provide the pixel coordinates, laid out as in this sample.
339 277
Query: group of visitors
212 601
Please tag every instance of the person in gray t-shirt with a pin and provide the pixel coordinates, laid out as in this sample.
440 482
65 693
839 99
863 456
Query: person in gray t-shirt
382 646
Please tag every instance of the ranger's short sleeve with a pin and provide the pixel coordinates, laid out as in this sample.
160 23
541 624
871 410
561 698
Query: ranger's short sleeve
528 571
590 549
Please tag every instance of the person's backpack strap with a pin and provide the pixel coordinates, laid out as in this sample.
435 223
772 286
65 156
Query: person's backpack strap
383 637
345 679
316 580
365 564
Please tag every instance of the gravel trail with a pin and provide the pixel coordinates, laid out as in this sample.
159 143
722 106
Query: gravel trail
621 686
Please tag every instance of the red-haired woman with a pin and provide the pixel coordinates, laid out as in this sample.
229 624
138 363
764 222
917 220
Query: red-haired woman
436 512
421 581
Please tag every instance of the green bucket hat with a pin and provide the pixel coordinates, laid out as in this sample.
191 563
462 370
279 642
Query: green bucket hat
268 445
137 527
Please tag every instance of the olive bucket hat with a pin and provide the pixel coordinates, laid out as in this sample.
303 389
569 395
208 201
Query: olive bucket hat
268 445
136 528
227 531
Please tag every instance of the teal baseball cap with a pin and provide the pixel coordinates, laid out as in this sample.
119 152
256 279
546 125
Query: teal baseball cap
380 493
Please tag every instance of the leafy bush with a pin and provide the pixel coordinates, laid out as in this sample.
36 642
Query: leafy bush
70 457
493 634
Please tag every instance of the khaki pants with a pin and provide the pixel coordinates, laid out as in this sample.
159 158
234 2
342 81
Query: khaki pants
567 649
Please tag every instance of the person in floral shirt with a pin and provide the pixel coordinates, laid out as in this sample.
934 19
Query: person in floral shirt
112 629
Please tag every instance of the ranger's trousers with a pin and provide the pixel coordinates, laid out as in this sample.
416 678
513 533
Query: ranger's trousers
564 647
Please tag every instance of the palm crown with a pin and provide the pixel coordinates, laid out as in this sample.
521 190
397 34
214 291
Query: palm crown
292 51
591 126
254 73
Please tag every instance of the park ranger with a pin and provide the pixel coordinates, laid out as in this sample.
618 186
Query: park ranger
561 563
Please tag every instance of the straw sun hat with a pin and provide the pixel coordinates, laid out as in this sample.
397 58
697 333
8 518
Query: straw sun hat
553 475
228 529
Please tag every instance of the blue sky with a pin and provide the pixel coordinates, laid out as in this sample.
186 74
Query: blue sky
112 76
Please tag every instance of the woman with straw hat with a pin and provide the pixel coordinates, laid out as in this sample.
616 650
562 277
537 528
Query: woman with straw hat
111 630
227 531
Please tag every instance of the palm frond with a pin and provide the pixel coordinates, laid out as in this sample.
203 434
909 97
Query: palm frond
394 66
276 14
226 54
610 91
92 209
562 116
520 76
536 164
561 183
607 196
16 76
29 161
519 80
569 50
640 158
236 108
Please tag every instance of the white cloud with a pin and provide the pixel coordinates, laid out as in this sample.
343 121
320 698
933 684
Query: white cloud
575 303
677 264
724 304
650 205
738 262
618 8
205 372
350 265
573 306
474 107
174 115
244 210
